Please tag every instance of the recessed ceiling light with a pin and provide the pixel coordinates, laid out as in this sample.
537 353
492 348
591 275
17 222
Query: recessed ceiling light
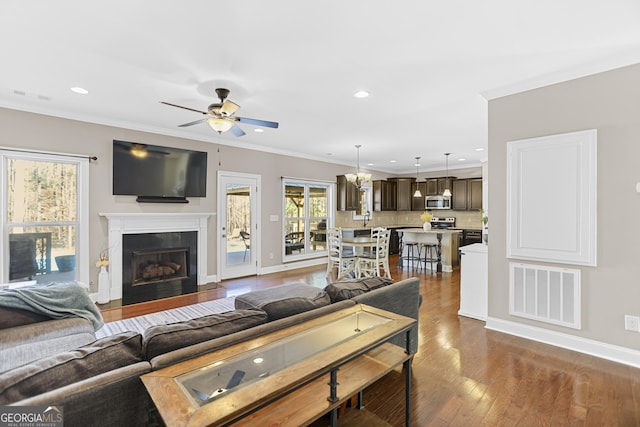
480 149
80 90
461 159
369 164
361 94
392 161
258 130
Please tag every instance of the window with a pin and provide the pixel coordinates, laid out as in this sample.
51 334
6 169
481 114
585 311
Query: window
43 218
364 211
306 215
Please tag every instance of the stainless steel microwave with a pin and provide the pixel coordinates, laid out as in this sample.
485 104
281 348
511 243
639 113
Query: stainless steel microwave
437 202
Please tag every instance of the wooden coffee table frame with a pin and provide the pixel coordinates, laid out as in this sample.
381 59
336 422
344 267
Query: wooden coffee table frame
291 396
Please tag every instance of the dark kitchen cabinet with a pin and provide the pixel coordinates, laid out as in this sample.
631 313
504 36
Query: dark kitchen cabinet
417 203
348 197
436 186
384 195
474 190
459 195
466 194
432 187
404 195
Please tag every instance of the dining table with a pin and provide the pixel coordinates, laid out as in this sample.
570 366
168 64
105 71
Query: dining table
359 244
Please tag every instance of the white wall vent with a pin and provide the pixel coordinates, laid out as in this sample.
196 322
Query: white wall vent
546 294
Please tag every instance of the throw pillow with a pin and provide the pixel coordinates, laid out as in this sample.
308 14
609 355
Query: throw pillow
284 301
349 288
71 366
161 339
12 317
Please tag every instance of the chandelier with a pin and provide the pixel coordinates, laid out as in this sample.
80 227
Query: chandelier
359 177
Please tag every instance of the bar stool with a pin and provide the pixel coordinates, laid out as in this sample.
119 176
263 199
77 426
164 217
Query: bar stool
430 250
412 254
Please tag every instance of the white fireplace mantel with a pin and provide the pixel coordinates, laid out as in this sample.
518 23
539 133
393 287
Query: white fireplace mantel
138 223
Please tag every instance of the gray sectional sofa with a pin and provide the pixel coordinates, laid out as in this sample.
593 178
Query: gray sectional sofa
98 383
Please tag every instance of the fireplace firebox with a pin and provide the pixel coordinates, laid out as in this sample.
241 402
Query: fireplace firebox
158 265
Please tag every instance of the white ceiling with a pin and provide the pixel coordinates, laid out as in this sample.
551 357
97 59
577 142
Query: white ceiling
430 67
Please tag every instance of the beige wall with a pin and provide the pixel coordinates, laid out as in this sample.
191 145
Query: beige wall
610 103
34 131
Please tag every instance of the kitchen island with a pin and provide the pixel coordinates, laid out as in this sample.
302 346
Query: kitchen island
446 239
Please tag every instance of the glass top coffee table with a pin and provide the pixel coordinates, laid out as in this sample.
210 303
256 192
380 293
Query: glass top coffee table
291 374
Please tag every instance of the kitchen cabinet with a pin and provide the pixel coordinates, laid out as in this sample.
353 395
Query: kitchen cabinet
384 195
475 194
348 197
417 203
466 194
436 186
404 195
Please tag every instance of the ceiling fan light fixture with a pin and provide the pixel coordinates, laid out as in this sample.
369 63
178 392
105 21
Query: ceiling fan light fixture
220 124
139 151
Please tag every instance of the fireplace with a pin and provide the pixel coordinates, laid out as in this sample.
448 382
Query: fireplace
158 265
161 231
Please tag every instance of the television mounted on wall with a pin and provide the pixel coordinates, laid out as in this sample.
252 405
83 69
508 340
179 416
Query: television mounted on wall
158 174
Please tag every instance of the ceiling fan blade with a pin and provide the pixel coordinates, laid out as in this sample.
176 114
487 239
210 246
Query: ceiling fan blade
228 108
237 131
192 123
257 122
185 108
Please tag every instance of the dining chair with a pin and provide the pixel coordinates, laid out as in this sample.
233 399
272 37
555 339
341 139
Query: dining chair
246 238
343 261
370 263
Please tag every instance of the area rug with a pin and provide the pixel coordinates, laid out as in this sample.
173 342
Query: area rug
141 323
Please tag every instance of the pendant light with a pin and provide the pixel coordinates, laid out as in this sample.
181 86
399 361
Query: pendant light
417 192
359 177
447 192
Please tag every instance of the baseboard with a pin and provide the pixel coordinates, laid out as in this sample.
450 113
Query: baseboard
277 268
293 265
606 351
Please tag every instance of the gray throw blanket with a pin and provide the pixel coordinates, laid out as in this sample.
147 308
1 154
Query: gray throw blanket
56 300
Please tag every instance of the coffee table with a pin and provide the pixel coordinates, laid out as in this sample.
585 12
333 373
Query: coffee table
289 377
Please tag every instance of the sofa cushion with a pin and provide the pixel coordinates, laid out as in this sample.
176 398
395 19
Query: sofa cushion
283 301
65 368
12 317
161 339
349 288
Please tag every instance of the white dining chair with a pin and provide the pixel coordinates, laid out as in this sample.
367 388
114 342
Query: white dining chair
375 262
338 257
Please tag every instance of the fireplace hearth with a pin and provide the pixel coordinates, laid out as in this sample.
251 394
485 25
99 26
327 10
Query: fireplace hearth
158 265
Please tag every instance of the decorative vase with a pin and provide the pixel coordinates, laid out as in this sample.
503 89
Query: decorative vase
426 226
103 286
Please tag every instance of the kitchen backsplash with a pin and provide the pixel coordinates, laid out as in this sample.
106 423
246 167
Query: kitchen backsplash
464 219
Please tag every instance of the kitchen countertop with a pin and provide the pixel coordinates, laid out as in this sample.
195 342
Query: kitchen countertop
432 231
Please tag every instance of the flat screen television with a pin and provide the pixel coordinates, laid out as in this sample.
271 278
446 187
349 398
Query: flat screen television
158 174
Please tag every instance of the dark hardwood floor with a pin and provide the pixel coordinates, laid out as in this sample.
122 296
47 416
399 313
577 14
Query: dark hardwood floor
465 375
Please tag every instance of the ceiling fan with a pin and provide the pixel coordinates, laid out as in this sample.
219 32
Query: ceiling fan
221 115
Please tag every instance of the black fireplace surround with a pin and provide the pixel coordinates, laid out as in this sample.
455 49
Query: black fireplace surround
155 250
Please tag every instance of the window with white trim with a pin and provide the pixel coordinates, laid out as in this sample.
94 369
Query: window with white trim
44 202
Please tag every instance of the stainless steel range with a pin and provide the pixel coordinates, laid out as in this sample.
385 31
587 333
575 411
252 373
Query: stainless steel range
444 222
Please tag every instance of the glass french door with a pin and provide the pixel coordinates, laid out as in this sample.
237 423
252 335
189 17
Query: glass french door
238 243
306 215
